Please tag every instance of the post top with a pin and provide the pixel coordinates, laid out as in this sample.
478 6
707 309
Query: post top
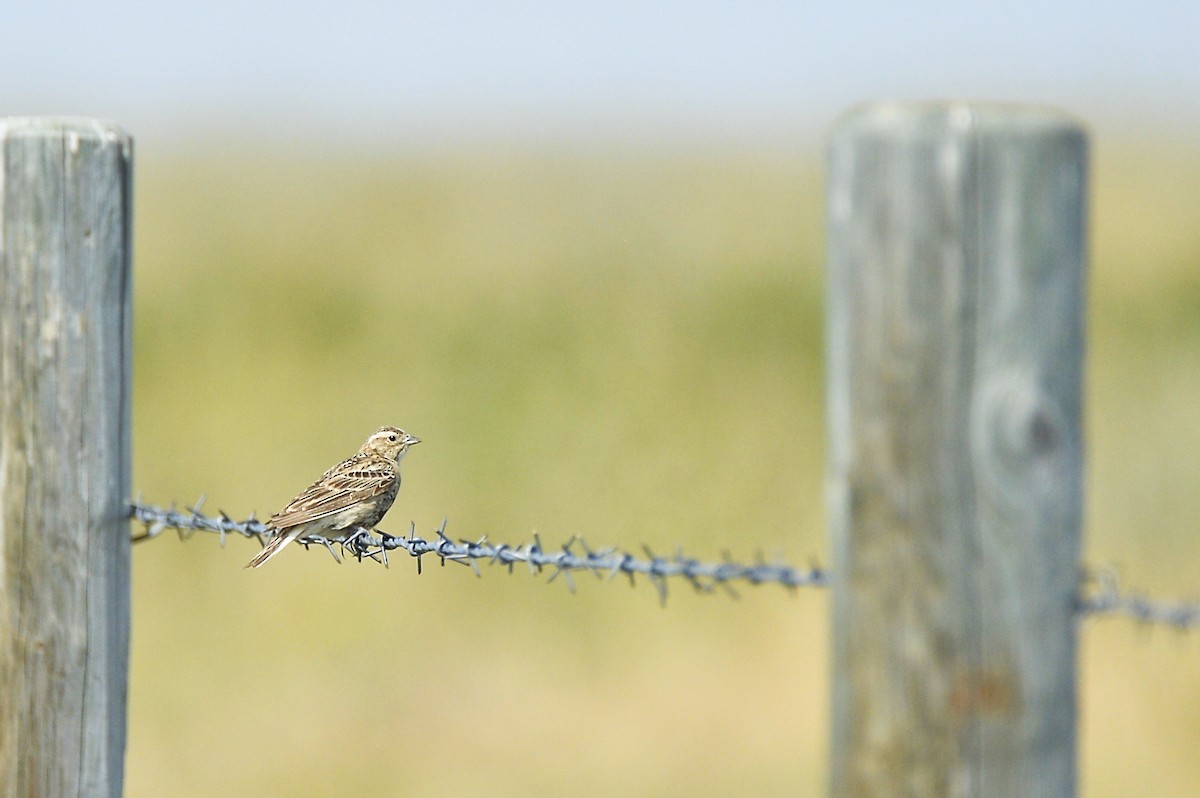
957 115
55 126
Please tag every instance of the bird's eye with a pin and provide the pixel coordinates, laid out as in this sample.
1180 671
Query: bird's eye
392 438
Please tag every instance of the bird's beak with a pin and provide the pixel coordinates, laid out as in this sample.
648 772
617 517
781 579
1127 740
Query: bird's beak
409 440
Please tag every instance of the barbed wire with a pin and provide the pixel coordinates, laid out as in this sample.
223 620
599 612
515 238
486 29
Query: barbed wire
574 555
1101 594
1106 597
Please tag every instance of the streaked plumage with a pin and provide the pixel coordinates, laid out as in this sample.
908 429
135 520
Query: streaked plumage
354 493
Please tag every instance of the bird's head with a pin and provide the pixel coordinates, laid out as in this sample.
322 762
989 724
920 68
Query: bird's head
390 442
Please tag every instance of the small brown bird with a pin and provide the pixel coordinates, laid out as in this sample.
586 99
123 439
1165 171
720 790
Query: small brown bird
354 493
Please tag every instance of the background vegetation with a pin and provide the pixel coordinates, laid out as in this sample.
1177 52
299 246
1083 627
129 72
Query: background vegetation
623 345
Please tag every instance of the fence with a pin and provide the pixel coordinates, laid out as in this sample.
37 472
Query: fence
955 361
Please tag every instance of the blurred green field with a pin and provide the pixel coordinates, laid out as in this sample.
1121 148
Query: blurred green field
623 345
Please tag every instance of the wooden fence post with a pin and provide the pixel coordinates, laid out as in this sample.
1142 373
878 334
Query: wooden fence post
955 335
64 455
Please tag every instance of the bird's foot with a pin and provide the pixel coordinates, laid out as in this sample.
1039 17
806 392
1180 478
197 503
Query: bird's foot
356 542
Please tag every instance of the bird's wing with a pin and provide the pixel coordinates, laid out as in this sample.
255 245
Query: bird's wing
342 486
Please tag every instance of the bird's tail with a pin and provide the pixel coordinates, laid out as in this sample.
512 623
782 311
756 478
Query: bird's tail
281 539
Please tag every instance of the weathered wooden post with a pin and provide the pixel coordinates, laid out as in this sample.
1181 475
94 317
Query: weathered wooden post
65 189
955 335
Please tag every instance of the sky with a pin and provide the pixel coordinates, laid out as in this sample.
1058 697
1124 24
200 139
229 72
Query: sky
706 70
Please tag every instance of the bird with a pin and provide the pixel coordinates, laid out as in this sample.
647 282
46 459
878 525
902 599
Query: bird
353 494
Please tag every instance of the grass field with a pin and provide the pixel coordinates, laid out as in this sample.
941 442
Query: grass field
621 345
